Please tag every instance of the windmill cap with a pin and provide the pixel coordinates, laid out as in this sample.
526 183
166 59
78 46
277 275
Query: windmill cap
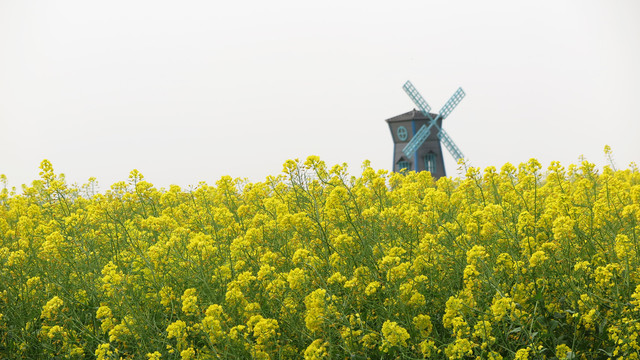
411 115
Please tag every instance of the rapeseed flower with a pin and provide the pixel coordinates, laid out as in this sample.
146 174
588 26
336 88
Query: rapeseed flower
522 354
537 258
393 335
423 324
264 330
372 287
178 330
317 263
459 349
563 352
189 302
296 279
103 352
188 354
156 355
336 278
502 307
51 308
316 350
316 309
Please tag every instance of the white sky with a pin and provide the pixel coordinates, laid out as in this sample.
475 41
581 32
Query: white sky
188 91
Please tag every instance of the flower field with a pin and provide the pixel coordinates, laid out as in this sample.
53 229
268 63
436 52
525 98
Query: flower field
516 263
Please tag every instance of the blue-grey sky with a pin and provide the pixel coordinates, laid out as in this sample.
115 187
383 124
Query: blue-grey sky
188 91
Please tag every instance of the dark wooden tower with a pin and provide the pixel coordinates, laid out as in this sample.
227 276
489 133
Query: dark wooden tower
428 156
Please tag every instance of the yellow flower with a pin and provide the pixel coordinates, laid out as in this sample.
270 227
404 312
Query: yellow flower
16 258
111 278
504 262
502 307
581 265
522 354
603 276
393 335
350 336
372 288
121 330
537 258
398 272
188 354
563 228
476 254
104 312
300 256
56 331
265 271
636 296
177 330
428 348
625 249
258 354
51 246
315 303
212 323
76 351
360 276
336 278
423 324
370 340
316 350
264 330
469 275
276 288
190 302
103 352
459 349
296 279
344 255
562 351
51 308
166 296
236 332
482 331
589 319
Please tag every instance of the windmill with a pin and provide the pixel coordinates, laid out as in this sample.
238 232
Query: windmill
420 150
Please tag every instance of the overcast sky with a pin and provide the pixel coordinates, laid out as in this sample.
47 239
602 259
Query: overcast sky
188 91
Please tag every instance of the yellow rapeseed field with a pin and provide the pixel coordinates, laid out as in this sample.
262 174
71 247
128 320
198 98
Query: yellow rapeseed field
516 263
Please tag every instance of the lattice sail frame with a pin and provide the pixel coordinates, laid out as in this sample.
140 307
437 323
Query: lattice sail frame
423 133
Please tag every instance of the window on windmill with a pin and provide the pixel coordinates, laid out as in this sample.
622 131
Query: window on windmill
402 133
430 162
402 164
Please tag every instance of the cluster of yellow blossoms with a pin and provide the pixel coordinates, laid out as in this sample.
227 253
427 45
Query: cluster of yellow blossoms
521 263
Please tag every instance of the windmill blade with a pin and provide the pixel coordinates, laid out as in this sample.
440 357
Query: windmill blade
420 102
450 145
444 112
424 131
417 140
452 103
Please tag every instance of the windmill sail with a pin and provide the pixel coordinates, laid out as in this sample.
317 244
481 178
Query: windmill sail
451 104
420 102
450 145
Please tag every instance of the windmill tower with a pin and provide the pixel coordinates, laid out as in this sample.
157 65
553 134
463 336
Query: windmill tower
415 147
